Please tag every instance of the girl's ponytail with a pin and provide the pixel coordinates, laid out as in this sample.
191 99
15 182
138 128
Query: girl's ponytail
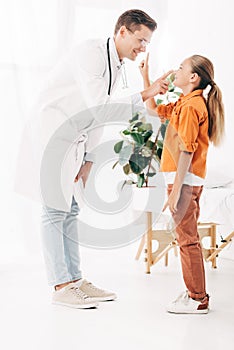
216 114
205 70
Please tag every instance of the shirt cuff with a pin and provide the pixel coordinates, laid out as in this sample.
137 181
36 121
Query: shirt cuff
188 146
89 157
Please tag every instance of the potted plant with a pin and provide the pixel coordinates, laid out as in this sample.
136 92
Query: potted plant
140 149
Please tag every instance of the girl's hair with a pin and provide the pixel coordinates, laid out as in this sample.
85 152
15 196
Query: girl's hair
132 19
205 70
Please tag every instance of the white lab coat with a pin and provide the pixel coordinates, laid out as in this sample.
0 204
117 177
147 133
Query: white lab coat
73 100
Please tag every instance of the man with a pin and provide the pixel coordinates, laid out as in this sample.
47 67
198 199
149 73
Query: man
86 78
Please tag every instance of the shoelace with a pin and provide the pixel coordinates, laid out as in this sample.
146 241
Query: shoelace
78 293
183 295
92 286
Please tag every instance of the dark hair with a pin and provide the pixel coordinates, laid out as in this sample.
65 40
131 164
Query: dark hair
132 19
205 70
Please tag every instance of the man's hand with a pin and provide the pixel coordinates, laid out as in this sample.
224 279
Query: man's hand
159 86
84 173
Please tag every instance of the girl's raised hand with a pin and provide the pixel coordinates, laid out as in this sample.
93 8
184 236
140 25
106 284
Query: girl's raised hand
144 67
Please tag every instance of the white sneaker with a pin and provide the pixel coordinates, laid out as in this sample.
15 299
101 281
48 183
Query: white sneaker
96 293
186 305
72 296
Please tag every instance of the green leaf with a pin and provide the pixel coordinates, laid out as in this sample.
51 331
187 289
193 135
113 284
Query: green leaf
146 127
138 163
151 174
134 118
126 169
115 164
140 180
137 138
127 182
159 101
172 77
159 144
125 154
118 146
171 86
138 124
159 152
163 129
126 132
136 169
147 135
150 144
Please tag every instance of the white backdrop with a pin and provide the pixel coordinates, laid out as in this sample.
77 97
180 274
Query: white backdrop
34 34
206 27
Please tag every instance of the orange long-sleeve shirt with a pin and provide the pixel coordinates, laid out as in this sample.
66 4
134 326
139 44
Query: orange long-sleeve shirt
187 131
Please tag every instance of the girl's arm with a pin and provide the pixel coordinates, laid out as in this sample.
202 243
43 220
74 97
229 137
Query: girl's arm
184 162
144 69
148 94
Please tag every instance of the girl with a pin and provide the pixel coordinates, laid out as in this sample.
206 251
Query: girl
194 121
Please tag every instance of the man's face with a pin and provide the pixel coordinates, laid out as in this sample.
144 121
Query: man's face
133 43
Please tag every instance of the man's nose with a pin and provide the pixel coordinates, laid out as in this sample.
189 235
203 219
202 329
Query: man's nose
143 48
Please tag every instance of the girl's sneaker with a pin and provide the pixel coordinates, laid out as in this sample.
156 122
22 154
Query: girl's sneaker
186 305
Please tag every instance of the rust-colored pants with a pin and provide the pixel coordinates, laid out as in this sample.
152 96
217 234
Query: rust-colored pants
185 219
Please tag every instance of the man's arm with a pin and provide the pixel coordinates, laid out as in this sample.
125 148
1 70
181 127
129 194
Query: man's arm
89 69
159 86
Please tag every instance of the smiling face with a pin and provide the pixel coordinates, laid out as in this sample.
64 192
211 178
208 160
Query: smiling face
130 43
183 74
185 79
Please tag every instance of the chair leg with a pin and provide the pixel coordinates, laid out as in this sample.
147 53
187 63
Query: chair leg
166 259
149 242
175 250
228 239
213 244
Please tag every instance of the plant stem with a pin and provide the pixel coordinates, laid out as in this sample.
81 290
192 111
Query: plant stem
151 157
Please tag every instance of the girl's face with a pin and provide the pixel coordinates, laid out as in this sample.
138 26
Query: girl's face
183 75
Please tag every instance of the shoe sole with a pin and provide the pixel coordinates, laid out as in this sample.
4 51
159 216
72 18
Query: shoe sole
76 306
110 298
199 312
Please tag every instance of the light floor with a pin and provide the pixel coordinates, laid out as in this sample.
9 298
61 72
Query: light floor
137 320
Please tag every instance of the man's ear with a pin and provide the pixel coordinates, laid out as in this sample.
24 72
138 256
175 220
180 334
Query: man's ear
122 31
194 78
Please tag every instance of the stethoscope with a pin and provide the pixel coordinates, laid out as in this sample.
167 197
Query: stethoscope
109 65
124 76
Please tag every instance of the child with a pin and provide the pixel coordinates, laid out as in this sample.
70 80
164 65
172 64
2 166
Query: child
194 121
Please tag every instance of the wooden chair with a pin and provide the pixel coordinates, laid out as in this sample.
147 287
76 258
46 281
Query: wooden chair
166 241
225 241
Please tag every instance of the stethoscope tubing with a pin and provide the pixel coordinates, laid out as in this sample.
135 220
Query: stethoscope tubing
109 65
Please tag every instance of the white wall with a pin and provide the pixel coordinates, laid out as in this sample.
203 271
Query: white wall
206 27
34 34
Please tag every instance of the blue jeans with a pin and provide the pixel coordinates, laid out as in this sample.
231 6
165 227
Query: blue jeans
60 244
